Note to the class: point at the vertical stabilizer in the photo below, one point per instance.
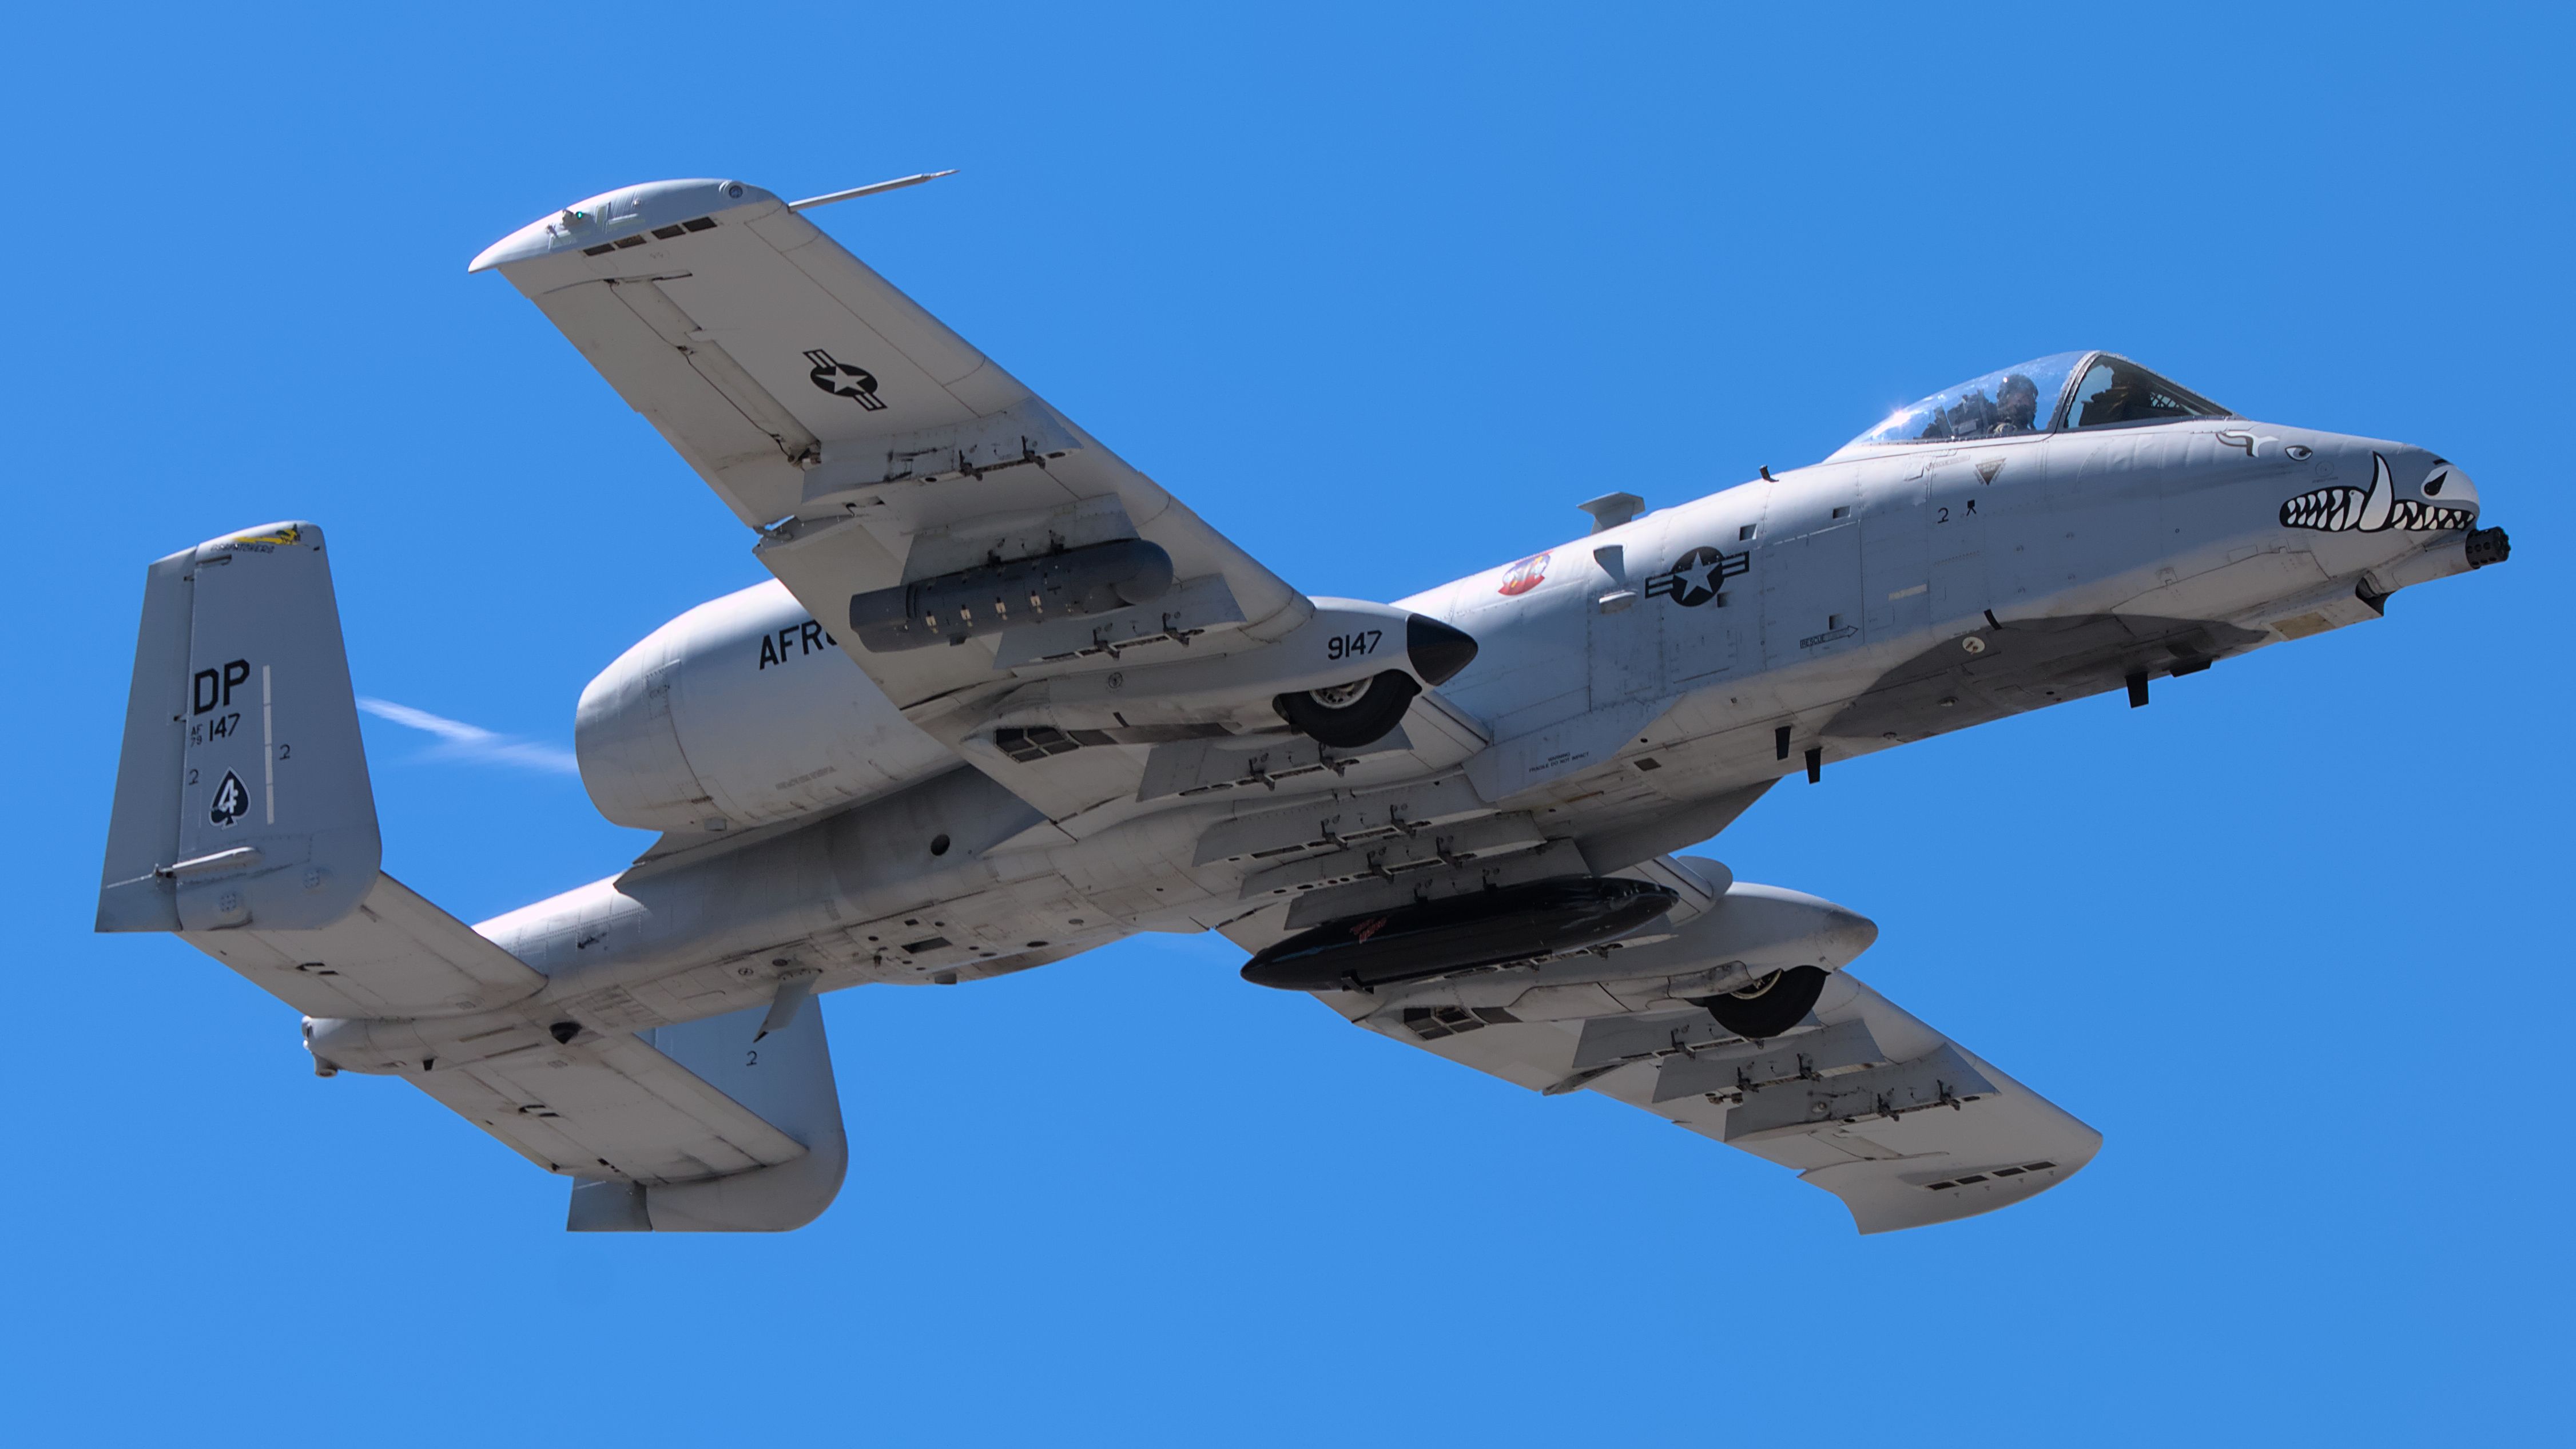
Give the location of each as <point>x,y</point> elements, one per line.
<point>241,793</point>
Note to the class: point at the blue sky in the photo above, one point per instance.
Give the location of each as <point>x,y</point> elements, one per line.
<point>1383,293</point>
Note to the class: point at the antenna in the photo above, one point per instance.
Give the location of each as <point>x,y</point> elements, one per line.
<point>855,192</point>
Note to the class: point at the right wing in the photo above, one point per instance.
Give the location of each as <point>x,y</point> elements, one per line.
<point>797,381</point>
<point>873,448</point>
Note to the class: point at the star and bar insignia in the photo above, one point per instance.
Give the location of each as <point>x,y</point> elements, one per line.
<point>1696,576</point>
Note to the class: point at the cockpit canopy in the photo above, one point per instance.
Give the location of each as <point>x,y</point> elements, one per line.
<point>2066,390</point>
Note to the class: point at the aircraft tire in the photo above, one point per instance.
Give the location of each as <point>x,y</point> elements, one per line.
<point>1349,723</point>
<point>1769,1006</point>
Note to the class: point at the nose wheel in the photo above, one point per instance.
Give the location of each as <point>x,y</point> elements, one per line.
<point>1769,1006</point>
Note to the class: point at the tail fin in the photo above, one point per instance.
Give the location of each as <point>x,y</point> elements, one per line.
<point>242,806</point>
<point>241,794</point>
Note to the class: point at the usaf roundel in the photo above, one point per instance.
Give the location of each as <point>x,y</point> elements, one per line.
<point>1696,576</point>
<point>840,379</point>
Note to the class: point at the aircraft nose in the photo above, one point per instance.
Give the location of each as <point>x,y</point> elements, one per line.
<point>2447,486</point>
<point>2400,514</point>
<point>2450,486</point>
<point>2408,492</point>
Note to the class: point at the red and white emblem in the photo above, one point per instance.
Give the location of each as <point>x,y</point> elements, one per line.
<point>1524,576</point>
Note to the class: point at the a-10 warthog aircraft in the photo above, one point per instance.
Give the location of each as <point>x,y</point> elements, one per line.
<point>1008,700</point>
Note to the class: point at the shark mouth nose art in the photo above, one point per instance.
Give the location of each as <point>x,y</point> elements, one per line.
<point>2349,510</point>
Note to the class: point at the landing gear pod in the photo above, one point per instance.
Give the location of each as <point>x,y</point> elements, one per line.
<point>1770,1005</point>
<point>1484,929</point>
<point>1349,716</point>
<point>952,608</point>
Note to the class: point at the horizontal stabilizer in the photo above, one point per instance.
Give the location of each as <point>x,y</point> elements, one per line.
<point>395,956</point>
<point>702,1127</point>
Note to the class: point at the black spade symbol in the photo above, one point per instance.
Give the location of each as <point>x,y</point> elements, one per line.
<point>232,801</point>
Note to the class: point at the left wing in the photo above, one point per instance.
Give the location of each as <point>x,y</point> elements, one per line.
<point>1859,1096</point>
<point>875,449</point>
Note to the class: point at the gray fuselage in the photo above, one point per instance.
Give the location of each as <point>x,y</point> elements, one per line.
<point>1625,680</point>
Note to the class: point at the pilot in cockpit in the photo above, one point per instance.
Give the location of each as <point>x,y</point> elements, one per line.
<point>2017,401</point>
<point>2021,401</point>
<point>2014,409</point>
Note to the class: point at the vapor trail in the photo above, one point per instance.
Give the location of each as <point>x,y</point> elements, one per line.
<point>473,743</point>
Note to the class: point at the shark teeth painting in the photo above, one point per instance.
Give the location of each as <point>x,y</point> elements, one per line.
<point>2342,510</point>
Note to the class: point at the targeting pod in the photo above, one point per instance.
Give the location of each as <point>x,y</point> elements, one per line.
<point>1485,928</point>
<point>953,608</point>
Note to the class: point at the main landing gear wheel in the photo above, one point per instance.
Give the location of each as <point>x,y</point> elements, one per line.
<point>1347,716</point>
<point>1769,1006</point>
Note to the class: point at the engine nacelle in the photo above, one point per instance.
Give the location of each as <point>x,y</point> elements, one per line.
<point>740,712</point>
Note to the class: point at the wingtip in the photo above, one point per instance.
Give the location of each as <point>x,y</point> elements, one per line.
<point>621,213</point>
